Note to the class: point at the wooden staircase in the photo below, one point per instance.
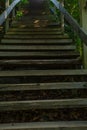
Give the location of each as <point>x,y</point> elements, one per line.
<point>38,48</point>
<point>42,85</point>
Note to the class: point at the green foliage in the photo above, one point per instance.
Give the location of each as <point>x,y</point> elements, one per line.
<point>19,14</point>
<point>73,8</point>
<point>24,1</point>
<point>78,44</point>
<point>2,6</point>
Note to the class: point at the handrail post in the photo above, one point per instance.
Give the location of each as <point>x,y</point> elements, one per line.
<point>13,13</point>
<point>7,21</point>
<point>84,26</point>
<point>55,13</point>
<point>62,17</point>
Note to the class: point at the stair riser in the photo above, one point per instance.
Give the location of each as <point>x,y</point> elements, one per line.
<point>41,79</point>
<point>21,66</point>
<point>22,57</point>
<point>44,67</point>
<point>44,115</point>
<point>42,94</point>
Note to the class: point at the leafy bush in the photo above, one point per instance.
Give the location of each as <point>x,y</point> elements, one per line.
<point>24,1</point>
<point>73,8</point>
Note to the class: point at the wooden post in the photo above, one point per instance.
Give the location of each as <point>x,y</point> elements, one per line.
<point>83,9</point>
<point>7,21</point>
<point>55,11</point>
<point>62,18</point>
<point>13,13</point>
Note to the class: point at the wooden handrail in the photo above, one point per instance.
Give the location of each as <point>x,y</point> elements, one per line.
<point>6,13</point>
<point>82,34</point>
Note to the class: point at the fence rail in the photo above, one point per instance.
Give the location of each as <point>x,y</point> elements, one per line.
<point>6,13</point>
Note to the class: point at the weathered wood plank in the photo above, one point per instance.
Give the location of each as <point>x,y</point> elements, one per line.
<point>36,36</point>
<point>33,29</point>
<point>44,73</point>
<point>63,125</point>
<point>43,86</point>
<point>37,47</point>
<point>33,41</point>
<point>40,62</point>
<point>34,33</point>
<point>38,54</point>
<point>42,104</point>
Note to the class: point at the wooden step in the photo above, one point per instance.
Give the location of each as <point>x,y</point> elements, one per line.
<point>36,36</point>
<point>36,47</point>
<point>29,29</point>
<point>38,41</point>
<point>38,32</point>
<point>42,104</point>
<point>40,62</point>
<point>42,76</point>
<point>39,55</point>
<point>58,125</point>
<point>40,73</point>
<point>30,23</point>
<point>43,86</point>
<point>11,64</point>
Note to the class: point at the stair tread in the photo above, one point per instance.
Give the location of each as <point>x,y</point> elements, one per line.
<point>43,73</point>
<point>50,54</point>
<point>38,125</point>
<point>38,32</point>
<point>33,29</point>
<point>66,125</point>
<point>36,36</point>
<point>53,41</point>
<point>43,104</point>
<point>42,61</point>
<point>43,86</point>
<point>37,47</point>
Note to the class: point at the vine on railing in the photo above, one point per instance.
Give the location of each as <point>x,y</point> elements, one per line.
<point>76,27</point>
